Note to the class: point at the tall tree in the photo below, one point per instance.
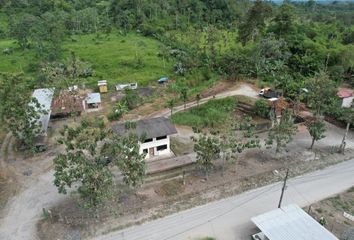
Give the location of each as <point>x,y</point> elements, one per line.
<point>91,150</point>
<point>131,163</point>
<point>284,20</point>
<point>321,91</point>
<point>282,132</point>
<point>19,112</point>
<point>255,21</point>
<point>316,129</point>
<point>208,150</point>
<point>83,164</point>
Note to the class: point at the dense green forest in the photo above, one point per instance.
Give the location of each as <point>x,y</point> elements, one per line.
<point>143,39</point>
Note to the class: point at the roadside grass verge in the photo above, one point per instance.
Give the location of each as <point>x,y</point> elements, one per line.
<point>215,113</point>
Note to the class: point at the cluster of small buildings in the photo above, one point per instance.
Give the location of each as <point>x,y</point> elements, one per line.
<point>155,132</point>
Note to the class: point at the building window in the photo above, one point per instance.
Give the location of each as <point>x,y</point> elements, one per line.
<point>145,151</point>
<point>162,137</point>
<point>162,147</point>
<point>148,140</point>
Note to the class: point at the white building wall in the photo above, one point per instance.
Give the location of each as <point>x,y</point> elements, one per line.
<point>347,102</point>
<point>154,144</point>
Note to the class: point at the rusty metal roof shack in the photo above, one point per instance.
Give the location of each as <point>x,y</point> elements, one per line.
<point>291,223</point>
<point>44,97</point>
<point>149,128</point>
<point>66,103</point>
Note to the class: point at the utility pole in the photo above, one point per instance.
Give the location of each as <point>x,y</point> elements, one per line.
<point>283,189</point>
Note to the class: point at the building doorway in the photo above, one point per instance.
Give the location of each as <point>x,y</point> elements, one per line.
<point>152,152</point>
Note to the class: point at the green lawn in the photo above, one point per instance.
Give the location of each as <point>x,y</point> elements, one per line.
<point>112,57</point>
<point>215,113</point>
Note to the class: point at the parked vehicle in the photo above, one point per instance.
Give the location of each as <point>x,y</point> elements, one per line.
<point>121,87</point>
<point>259,236</point>
<point>268,93</point>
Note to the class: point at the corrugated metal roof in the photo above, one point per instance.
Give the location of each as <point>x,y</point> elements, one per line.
<point>291,223</point>
<point>153,127</point>
<point>345,93</point>
<point>44,97</point>
<point>93,98</point>
<point>102,83</point>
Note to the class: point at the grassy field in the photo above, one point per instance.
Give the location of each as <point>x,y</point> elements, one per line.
<point>214,113</point>
<point>116,58</point>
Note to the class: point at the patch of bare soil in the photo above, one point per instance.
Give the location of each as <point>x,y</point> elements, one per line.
<point>220,86</point>
<point>167,194</point>
<point>8,186</point>
<point>332,210</point>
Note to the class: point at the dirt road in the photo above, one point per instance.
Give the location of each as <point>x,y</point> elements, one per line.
<point>243,89</point>
<point>19,218</point>
<point>24,210</point>
<point>229,219</point>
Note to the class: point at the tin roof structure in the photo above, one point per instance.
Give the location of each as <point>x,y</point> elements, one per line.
<point>291,223</point>
<point>345,93</point>
<point>93,98</point>
<point>44,97</point>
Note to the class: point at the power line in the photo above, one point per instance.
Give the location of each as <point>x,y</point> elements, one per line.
<point>225,213</point>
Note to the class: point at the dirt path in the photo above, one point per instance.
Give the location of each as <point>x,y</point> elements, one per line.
<point>243,89</point>
<point>37,191</point>
<point>24,210</point>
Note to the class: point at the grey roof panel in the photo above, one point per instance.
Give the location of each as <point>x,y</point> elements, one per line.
<point>93,98</point>
<point>44,97</point>
<point>291,223</point>
<point>153,127</point>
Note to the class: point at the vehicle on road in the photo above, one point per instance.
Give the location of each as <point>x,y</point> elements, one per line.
<point>259,236</point>
<point>268,93</point>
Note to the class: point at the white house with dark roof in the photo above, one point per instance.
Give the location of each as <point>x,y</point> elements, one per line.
<point>156,132</point>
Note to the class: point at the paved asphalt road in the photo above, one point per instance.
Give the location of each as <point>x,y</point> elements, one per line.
<point>229,219</point>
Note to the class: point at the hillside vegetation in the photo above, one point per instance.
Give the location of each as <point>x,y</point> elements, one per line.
<point>115,57</point>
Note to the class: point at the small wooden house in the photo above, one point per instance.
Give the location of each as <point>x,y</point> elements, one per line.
<point>102,86</point>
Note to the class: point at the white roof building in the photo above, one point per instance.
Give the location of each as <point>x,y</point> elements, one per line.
<point>44,97</point>
<point>93,98</point>
<point>291,223</point>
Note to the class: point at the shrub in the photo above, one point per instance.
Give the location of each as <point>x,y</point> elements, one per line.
<point>261,108</point>
<point>131,98</point>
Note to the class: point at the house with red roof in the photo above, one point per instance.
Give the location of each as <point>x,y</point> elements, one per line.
<point>347,96</point>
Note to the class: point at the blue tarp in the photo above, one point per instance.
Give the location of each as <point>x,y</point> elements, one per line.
<point>163,80</point>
